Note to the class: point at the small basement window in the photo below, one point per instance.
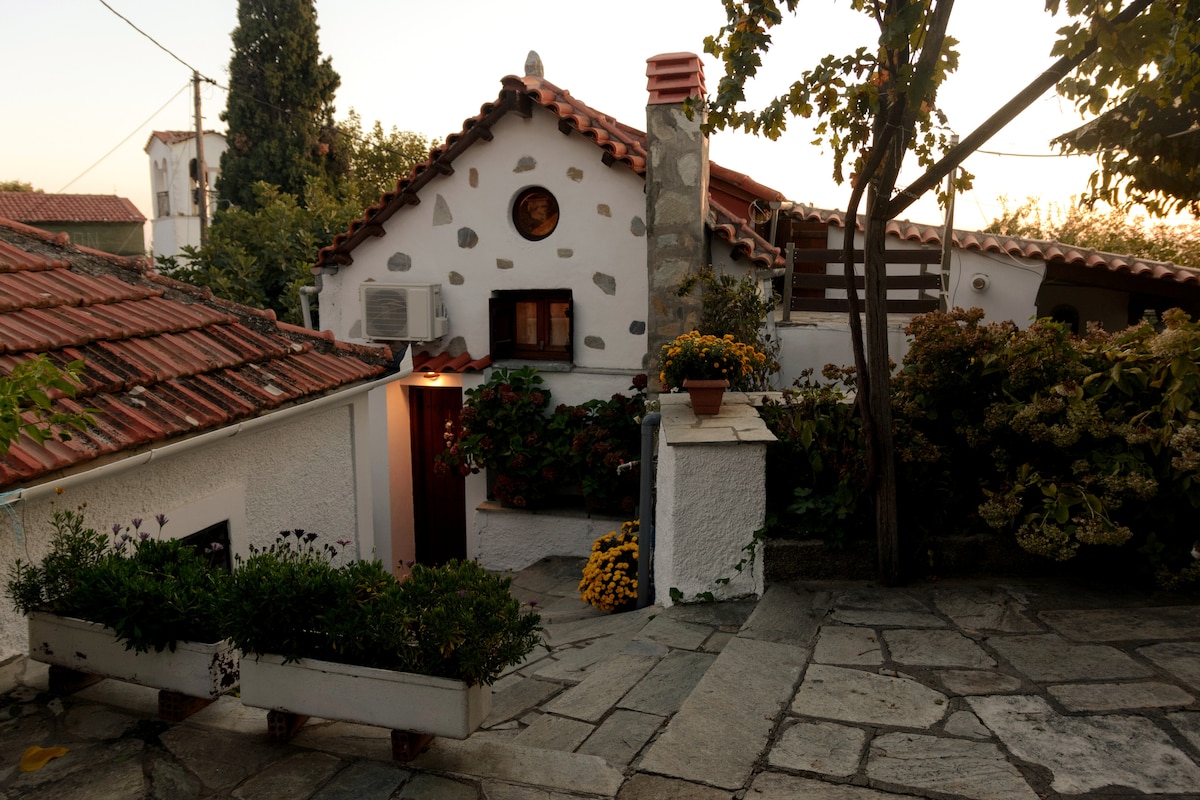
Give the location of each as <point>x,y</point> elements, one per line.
<point>534,325</point>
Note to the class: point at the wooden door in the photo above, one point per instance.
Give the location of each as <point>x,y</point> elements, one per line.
<point>439,512</point>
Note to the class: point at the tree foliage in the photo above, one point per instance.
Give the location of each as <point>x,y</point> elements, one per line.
<point>1110,231</point>
<point>377,159</point>
<point>1144,83</point>
<point>874,107</point>
<point>280,108</point>
<point>261,258</point>
<point>27,405</point>
<point>18,186</point>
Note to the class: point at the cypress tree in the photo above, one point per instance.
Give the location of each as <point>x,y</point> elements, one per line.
<point>280,109</point>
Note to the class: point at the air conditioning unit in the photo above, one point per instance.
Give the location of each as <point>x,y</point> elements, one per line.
<point>403,312</point>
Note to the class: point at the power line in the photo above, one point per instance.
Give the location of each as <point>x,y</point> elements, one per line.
<point>156,42</point>
<point>127,138</point>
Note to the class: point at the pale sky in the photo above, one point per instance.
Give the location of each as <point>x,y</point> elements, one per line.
<point>84,90</point>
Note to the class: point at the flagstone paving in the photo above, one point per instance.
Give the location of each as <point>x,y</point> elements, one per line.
<point>1002,690</point>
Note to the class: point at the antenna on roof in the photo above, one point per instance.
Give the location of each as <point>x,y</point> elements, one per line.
<point>533,65</point>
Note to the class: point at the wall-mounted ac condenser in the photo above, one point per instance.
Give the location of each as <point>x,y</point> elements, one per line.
<point>410,312</point>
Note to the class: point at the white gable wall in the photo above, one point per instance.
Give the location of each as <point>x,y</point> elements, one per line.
<point>461,235</point>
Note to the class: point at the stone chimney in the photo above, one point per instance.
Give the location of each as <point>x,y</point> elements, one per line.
<point>676,198</point>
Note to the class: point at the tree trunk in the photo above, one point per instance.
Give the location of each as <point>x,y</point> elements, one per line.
<point>879,401</point>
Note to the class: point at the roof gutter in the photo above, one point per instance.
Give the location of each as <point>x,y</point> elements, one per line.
<point>266,421</point>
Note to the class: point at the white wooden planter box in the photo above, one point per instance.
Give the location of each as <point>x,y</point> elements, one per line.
<point>402,701</point>
<point>196,669</point>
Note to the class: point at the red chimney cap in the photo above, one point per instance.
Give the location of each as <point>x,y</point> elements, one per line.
<point>674,77</point>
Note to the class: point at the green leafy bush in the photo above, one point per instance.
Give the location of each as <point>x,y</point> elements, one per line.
<point>302,601</point>
<point>152,592</point>
<point>1078,448</point>
<point>532,453</point>
<point>816,471</point>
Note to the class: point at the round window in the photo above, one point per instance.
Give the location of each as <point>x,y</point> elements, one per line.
<point>535,213</point>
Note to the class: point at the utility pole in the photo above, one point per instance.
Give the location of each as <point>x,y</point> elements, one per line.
<point>201,171</point>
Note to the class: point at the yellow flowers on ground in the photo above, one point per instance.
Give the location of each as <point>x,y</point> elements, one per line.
<point>610,575</point>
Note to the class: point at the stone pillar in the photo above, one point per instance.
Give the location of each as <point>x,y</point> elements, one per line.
<point>711,499</point>
<point>676,198</point>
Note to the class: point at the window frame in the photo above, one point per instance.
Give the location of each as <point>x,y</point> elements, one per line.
<point>502,320</point>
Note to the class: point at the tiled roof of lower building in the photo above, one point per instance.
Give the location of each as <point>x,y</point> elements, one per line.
<point>37,207</point>
<point>162,359</point>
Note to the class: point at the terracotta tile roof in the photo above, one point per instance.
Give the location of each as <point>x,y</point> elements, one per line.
<point>730,192</point>
<point>38,207</point>
<point>1017,247</point>
<point>445,362</point>
<point>163,360</point>
<point>173,137</point>
<point>620,143</point>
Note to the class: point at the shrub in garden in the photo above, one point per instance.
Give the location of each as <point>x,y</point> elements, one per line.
<point>152,592</point>
<point>1075,447</point>
<point>1070,445</point>
<point>816,471</point>
<point>506,428</point>
<point>302,601</point>
<point>610,575</point>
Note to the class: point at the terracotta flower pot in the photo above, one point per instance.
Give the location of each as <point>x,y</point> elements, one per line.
<point>706,395</point>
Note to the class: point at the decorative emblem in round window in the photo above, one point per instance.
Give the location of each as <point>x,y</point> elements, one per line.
<point>535,213</point>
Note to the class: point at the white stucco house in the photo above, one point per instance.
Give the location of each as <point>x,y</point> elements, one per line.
<point>547,233</point>
<point>230,424</point>
<point>174,183</point>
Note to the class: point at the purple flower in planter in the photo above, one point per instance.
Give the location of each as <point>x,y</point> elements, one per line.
<point>215,547</point>
<point>136,522</point>
<point>116,528</point>
<point>343,542</point>
<point>143,535</point>
<point>161,519</point>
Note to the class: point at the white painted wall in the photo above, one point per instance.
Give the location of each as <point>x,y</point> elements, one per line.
<point>711,500</point>
<point>169,173</point>
<point>600,233</point>
<point>306,472</point>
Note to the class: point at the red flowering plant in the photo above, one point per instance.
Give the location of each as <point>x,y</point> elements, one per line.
<point>503,429</point>
<point>533,456</point>
<point>606,446</point>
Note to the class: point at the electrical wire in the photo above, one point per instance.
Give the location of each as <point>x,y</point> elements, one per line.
<point>155,41</point>
<point>132,133</point>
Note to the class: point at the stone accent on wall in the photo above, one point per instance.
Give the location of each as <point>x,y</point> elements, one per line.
<point>525,164</point>
<point>467,238</point>
<point>607,283</point>
<point>637,327</point>
<point>603,210</point>
<point>356,329</point>
<point>637,226</point>
<point>504,263</point>
<point>473,178</point>
<point>399,262</point>
<point>575,174</point>
<point>441,211</point>
<point>565,252</point>
<point>456,278</point>
<point>593,342</point>
<point>456,346</point>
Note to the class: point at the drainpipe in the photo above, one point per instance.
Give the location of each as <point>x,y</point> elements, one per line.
<point>305,291</point>
<point>650,424</point>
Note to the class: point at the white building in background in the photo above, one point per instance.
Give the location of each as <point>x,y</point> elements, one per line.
<point>173,181</point>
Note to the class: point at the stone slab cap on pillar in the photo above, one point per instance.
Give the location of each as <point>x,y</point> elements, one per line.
<point>674,77</point>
